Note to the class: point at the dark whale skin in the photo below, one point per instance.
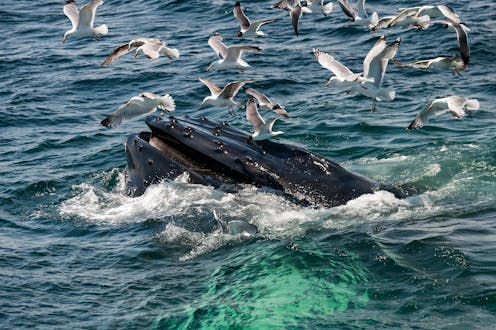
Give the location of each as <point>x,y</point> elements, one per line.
<point>218,155</point>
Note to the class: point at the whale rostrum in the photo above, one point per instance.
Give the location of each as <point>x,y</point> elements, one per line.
<point>219,155</point>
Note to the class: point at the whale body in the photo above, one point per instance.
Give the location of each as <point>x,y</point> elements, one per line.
<point>219,155</point>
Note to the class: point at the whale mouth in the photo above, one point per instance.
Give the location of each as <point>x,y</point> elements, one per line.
<point>221,156</point>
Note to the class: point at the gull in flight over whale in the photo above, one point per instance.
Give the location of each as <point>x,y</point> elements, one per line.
<point>150,47</point>
<point>229,57</point>
<point>343,76</point>
<point>82,20</point>
<point>141,104</point>
<point>223,97</point>
<point>455,63</point>
<point>263,130</point>
<point>359,15</point>
<point>374,67</point>
<point>319,5</point>
<point>264,101</point>
<point>247,28</point>
<point>295,9</point>
<point>458,106</point>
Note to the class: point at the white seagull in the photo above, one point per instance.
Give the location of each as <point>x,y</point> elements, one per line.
<point>247,28</point>
<point>229,57</point>
<point>458,106</point>
<point>264,101</point>
<point>223,98</point>
<point>82,20</point>
<point>343,77</point>
<point>374,66</point>
<point>263,130</point>
<point>359,15</point>
<point>296,10</point>
<point>454,63</point>
<point>141,104</point>
<point>319,5</point>
<point>150,47</point>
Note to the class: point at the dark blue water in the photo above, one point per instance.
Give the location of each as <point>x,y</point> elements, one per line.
<point>76,252</point>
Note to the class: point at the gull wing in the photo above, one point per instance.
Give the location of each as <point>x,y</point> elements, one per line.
<point>258,24</point>
<point>422,64</point>
<point>214,89</point>
<point>361,9</point>
<point>118,52</point>
<point>383,60</point>
<point>328,62</point>
<point>379,46</point>
<point>133,108</point>
<point>243,20</point>
<point>87,12</point>
<point>403,14</point>
<point>283,4</point>
<point>231,89</point>
<point>345,6</point>
<point>217,45</point>
<point>435,107</point>
<point>235,52</point>
<point>462,37</point>
<point>261,98</point>
<point>449,14</point>
<point>295,15</point>
<point>71,11</point>
<point>252,114</point>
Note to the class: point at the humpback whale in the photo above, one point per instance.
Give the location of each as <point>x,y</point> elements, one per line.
<point>221,156</point>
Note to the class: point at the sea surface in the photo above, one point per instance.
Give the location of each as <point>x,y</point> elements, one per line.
<point>77,252</point>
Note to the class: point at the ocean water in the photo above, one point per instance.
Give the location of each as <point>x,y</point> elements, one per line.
<point>76,252</point>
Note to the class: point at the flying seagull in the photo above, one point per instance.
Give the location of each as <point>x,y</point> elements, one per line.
<point>247,28</point>
<point>343,77</point>
<point>374,67</point>
<point>223,98</point>
<point>359,15</point>
<point>82,20</point>
<point>229,57</point>
<point>319,5</point>
<point>264,101</point>
<point>150,47</point>
<point>263,130</point>
<point>458,106</point>
<point>454,63</point>
<point>141,104</point>
<point>295,9</point>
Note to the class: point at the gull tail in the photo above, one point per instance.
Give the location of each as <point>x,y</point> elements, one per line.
<point>386,94</point>
<point>167,102</point>
<point>423,22</point>
<point>327,9</point>
<point>172,52</point>
<point>102,29</point>
<point>472,104</point>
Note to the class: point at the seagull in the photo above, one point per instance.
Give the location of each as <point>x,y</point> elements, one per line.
<point>319,5</point>
<point>462,37</point>
<point>151,47</point>
<point>408,18</point>
<point>248,29</point>
<point>223,98</point>
<point>263,130</point>
<point>458,106</point>
<point>229,57</point>
<point>374,66</point>
<point>264,101</point>
<point>296,10</point>
<point>454,63</point>
<point>343,77</point>
<point>82,20</point>
<point>359,15</point>
<point>141,104</point>
<point>433,11</point>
